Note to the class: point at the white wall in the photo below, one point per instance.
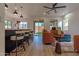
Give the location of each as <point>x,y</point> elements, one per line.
<point>47,23</point>
<point>73,22</point>
<point>2,35</point>
<point>30,23</point>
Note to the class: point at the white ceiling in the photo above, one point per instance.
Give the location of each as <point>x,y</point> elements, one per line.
<point>37,10</point>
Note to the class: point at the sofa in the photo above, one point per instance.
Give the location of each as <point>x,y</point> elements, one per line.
<point>65,38</point>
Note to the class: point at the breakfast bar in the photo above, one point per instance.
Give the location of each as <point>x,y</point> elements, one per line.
<point>16,38</point>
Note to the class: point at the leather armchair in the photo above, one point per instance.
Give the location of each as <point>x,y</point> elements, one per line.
<point>47,37</point>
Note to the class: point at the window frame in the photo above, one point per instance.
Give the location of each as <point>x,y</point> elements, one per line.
<point>23,25</point>
<point>8,24</point>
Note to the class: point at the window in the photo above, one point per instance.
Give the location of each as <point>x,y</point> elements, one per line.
<point>60,24</point>
<point>7,24</point>
<point>66,21</point>
<point>65,24</point>
<point>23,25</point>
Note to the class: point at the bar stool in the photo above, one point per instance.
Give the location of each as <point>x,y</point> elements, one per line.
<point>18,38</point>
<point>26,37</point>
<point>31,35</point>
<point>21,40</point>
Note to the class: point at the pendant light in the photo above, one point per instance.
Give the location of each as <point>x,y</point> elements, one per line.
<point>15,12</point>
<point>21,16</point>
<point>6,6</point>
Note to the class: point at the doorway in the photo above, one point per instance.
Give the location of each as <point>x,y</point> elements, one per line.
<point>38,27</point>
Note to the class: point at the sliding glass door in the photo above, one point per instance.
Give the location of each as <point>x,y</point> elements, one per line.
<point>38,27</point>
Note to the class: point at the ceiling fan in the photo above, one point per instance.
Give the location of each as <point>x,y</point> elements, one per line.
<point>54,7</point>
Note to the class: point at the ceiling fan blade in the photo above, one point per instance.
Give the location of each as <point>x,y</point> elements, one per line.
<point>49,11</point>
<point>55,4</point>
<point>61,7</point>
<point>47,7</point>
